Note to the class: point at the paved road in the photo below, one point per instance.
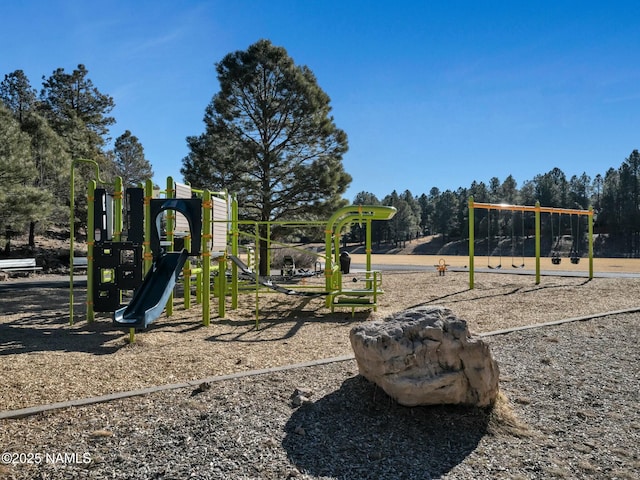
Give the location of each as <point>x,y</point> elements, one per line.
<point>504,271</point>
<point>80,281</point>
<point>61,281</point>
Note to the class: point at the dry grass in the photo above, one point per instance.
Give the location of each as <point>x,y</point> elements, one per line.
<point>504,421</point>
<point>44,360</point>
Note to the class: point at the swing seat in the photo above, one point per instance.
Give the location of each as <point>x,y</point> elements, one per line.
<point>575,260</point>
<point>517,266</point>
<point>556,260</point>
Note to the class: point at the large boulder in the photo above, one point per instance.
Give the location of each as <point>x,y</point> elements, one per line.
<point>426,356</point>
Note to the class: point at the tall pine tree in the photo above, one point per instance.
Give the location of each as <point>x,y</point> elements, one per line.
<point>271,139</point>
<point>129,160</point>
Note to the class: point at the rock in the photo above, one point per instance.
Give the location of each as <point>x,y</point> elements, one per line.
<point>301,396</point>
<point>203,387</point>
<point>426,356</point>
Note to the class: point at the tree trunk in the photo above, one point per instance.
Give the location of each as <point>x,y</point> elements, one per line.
<point>263,249</point>
<point>32,234</point>
<point>7,241</point>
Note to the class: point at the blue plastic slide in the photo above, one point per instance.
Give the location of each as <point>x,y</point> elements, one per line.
<point>149,300</point>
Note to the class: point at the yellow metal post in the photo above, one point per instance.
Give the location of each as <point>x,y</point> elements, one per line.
<point>235,232</point>
<point>186,275</point>
<point>171,216</point>
<point>222,285</point>
<point>91,240</point>
<point>472,242</point>
<point>537,240</point>
<point>590,243</point>
<point>147,255</point>
<point>205,279</point>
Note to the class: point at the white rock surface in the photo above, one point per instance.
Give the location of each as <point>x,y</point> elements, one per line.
<point>426,356</point>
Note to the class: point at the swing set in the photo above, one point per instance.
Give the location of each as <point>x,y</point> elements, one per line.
<point>537,209</point>
<point>574,252</point>
<point>514,241</point>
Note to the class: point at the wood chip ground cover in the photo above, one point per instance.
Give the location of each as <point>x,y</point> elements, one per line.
<point>247,428</point>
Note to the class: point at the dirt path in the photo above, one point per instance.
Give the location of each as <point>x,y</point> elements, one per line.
<point>613,265</point>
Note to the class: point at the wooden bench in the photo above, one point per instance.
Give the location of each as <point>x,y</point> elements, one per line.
<point>19,265</point>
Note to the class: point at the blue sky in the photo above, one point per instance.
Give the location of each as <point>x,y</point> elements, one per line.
<point>430,93</point>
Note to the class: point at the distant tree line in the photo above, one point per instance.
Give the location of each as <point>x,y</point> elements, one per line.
<point>41,133</point>
<point>614,196</point>
<point>269,136</point>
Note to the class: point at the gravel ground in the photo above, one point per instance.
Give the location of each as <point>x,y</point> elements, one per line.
<point>569,409</point>
<point>44,360</point>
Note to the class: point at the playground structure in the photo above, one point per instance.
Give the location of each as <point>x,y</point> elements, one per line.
<point>334,290</point>
<point>136,259</point>
<point>537,209</point>
<point>201,245</point>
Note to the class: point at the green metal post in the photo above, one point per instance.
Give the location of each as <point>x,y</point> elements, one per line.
<point>472,243</point>
<point>207,206</point>
<point>377,212</point>
<point>235,230</point>
<point>257,277</point>
<point>117,210</point>
<point>117,216</point>
<point>72,237</point>
<point>186,280</point>
<point>537,240</point>
<point>147,255</point>
<point>268,240</point>
<point>170,217</point>
<point>590,216</point>
<point>222,286</point>
<point>91,240</point>
<point>367,247</point>
<point>72,233</point>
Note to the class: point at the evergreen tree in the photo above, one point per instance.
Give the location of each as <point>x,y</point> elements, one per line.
<point>47,153</point>
<point>20,201</point>
<point>551,188</point>
<point>77,110</point>
<point>270,135</point>
<point>528,193</point>
<point>404,223</point>
<point>52,163</point>
<point>416,209</point>
<point>509,189</point>
<point>480,192</point>
<point>629,198</point>
<point>611,216</point>
<point>461,226</point>
<point>358,232</point>
<point>579,191</point>
<point>445,218</point>
<point>495,190</point>
<point>17,94</point>
<point>426,210</point>
<point>596,189</point>
<point>129,160</point>
<point>79,113</point>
